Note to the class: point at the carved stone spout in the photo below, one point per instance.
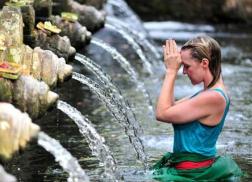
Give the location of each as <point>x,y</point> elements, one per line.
<point>61,46</point>
<point>46,66</point>
<point>16,129</point>
<point>28,94</point>
<point>41,64</point>
<point>78,34</point>
<point>89,16</point>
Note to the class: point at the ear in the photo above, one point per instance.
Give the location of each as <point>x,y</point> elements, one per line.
<point>205,63</point>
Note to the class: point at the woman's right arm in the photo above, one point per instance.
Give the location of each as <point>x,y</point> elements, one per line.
<point>181,100</point>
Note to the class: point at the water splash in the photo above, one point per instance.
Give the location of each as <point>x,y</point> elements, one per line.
<point>146,64</point>
<point>95,141</point>
<point>139,37</point>
<point>138,175</point>
<point>116,110</point>
<point>65,159</point>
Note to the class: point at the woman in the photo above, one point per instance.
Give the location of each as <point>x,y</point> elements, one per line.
<point>197,120</point>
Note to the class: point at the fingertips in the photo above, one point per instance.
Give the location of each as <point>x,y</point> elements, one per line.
<point>164,49</point>
<point>174,46</point>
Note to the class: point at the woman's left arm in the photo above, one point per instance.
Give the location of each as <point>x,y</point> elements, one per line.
<point>172,61</point>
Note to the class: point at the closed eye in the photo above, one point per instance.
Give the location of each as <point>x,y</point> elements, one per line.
<point>186,66</point>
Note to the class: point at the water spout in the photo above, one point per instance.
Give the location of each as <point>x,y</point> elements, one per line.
<point>117,111</point>
<point>118,57</point>
<point>120,9</point>
<point>139,37</point>
<point>5,177</point>
<point>128,68</point>
<point>113,91</point>
<point>65,159</point>
<point>146,64</point>
<point>95,141</point>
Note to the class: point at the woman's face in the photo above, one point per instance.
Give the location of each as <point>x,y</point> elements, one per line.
<point>191,67</point>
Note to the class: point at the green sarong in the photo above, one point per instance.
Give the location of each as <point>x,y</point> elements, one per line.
<point>223,169</point>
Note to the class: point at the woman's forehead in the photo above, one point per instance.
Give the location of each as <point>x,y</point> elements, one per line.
<point>186,55</point>
<point>185,52</point>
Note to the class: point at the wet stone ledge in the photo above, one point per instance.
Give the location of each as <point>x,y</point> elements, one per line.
<point>41,64</point>
<point>27,92</point>
<point>41,61</point>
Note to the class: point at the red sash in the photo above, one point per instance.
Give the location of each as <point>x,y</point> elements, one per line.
<point>193,165</point>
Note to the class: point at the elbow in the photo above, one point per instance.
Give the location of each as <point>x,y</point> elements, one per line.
<point>160,117</point>
<point>163,117</point>
<point>158,114</point>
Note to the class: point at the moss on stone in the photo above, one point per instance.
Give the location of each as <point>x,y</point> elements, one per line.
<point>5,90</point>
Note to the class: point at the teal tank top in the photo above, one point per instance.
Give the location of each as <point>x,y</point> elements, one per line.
<point>195,137</point>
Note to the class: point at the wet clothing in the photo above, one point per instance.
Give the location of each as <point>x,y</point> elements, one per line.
<point>194,157</point>
<point>222,169</point>
<point>195,137</point>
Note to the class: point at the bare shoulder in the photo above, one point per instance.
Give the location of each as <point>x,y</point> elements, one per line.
<point>211,98</point>
<point>215,104</point>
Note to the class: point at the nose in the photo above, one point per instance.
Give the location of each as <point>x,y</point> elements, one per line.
<point>184,70</point>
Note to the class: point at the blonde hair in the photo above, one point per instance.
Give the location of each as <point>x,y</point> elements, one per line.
<point>206,47</point>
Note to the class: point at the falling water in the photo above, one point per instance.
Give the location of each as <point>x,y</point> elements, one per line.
<point>113,91</point>
<point>97,70</point>
<point>117,111</point>
<point>146,64</point>
<point>128,68</point>
<point>95,141</point>
<point>139,37</point>
<point>102,96</point>
<point>65,159</point>
<point>118,57</point>
<point>119,8</point>
<point>6,177</point>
